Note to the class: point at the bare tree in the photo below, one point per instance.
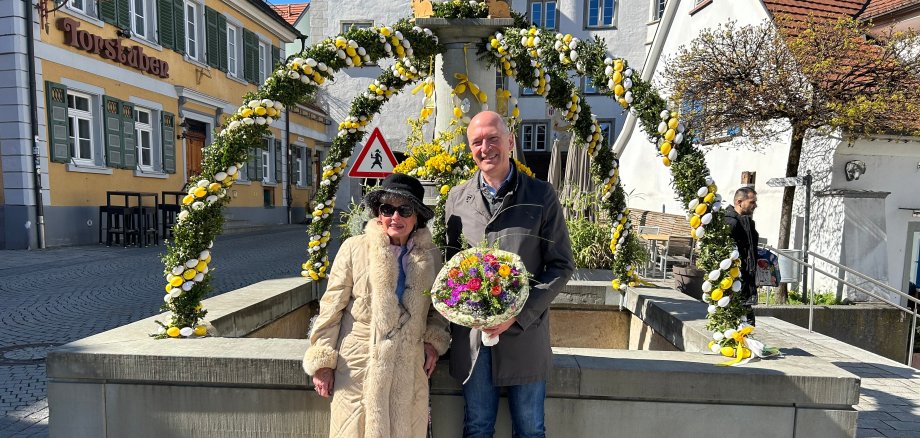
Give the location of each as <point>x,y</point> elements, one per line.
<point>816,75</point>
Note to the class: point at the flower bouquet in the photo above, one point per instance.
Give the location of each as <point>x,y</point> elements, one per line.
<point>481,287</point>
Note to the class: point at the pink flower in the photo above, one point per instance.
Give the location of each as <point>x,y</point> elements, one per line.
<point>474,284</point>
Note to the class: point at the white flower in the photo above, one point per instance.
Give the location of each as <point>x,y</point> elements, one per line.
<point>183,215</point>
<point>197,205</point>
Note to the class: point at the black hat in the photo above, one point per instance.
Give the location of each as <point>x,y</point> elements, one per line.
<point>406,187</point>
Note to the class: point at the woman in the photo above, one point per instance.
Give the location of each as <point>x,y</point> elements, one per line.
<point>377,339</point>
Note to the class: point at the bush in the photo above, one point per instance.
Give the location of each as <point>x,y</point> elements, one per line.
<point>590,244</point>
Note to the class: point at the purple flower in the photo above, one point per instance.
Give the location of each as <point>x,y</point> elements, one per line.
<point>473,272</point>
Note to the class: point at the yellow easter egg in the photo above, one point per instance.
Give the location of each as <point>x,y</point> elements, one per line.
<point>666,161</point>
<point>716,295</point>
<point>665,148</point>
<point>695,221</point>
<point>726,283</point>
<point>700,209</point>
<point>201,330</point>
<point>173,332</point>
<point>728,351</point>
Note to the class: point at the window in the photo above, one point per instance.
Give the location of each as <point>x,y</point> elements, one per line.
<point>191,30</point>
<point>263,59</point>
<point>533,136</point>
<point>606,131</point>
<point>232,55</point>
<point>298,165</point>
<point>84,6</point>
<point>588,87</point>
<point>347,25</point>
<point>601,13</point>
<point>543,13</point>
<point>266,164</point>
<point>658,8</point>
<point>139,18</point>
<point>143,130</point>
<point>80,125</point>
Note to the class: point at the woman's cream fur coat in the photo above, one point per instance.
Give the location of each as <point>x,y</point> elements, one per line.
<point>374,343</point>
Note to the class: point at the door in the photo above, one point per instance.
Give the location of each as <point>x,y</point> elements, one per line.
<point>194,143</point>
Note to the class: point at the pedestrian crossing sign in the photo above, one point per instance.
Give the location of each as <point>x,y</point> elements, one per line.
<point>375,160</point>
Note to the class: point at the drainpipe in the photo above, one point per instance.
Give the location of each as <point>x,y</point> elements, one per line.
<point>287,154</point>
<point>33,102</point>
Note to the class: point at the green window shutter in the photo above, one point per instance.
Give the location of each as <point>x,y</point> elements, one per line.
<point>251,164</point>
<point>305,156</point>
<point>108,12</point>
<point>276,57</point>
<point>250,57</point>
<point>168,140</point>
<point>179,25</point>
<point>212,38</point>
<point>123,14</point>
<point>58,135</point>
<point>259,163</point>
<point>165,24</point>
<point>128,135</point>
<point>278,167</point>
<point>111,113</point>
<point>222,42</point>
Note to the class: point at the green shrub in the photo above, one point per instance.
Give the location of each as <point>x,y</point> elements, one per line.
<point>590,244</point>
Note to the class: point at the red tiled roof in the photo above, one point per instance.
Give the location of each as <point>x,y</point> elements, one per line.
<point>291,12</point>
<point>881,7</point>
<point>817,8</point>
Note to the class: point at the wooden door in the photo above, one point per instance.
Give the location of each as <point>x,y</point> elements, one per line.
<point>194,143</point>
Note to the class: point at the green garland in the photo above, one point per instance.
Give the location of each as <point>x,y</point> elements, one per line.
<point>536,58</point>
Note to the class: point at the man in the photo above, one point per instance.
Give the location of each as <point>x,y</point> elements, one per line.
<point>523,215</point>
<point>745,236</point>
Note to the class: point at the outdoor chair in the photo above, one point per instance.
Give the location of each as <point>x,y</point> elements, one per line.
<point>650,246</point>
<point>676,250</point>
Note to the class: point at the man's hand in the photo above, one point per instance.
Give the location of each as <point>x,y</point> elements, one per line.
<point>499,329</point>
<point>323,380</point>
<point>431,359</point>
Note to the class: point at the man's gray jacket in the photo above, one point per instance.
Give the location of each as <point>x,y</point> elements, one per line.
<point>528,222</point>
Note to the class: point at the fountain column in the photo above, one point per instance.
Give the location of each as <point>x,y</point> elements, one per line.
<point>462,39</point>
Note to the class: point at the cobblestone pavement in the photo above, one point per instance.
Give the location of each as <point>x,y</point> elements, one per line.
<point>51,297</point>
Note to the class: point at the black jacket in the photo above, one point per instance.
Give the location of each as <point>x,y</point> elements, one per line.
<point>745,236</point>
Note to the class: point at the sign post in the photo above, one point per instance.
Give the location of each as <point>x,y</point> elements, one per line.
<point>375,160</point>
<point>792,182</point>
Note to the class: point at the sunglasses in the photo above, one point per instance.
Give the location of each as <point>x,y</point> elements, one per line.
<point>403,210</point>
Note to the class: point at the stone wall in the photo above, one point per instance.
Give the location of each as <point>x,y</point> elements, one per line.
<point>880,329</point>
<point>124,383</point>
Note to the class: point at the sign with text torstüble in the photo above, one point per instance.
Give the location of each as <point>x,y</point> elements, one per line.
<point>375,160</point>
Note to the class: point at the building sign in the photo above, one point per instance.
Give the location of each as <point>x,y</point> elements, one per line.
<point>133,56</point>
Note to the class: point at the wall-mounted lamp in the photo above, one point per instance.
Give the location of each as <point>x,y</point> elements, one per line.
<point>854,169</point>
<point>183,126</point>
<point>123,33</point>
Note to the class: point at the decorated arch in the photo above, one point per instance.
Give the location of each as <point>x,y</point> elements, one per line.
<point>537,58</point>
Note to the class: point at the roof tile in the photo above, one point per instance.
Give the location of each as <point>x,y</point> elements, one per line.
<point>291,12</point>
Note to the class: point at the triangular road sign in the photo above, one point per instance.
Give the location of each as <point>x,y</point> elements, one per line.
<point>376,160</point>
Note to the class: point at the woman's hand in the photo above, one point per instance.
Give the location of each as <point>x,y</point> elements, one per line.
<point>323,380</point>
<point>431,359</point>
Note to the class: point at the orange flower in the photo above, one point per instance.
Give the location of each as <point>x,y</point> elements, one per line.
<point>496,290</point>
<point>504,270</point>
<point>453,273</point>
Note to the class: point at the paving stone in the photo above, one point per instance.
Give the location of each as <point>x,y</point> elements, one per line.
<point>60,295</point>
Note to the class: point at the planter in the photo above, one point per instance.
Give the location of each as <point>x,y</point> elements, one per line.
<point>689,280</point>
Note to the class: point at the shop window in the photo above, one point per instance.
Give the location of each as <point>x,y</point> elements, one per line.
<point>347,25</point>
<point>143,129</point>
<point>543,13</point>
<point>533,136</point>
<point>601,13</point>
<point>80,127</point>
<point>233,47</point>
<point>268,197</point>
<point>191,30</point>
